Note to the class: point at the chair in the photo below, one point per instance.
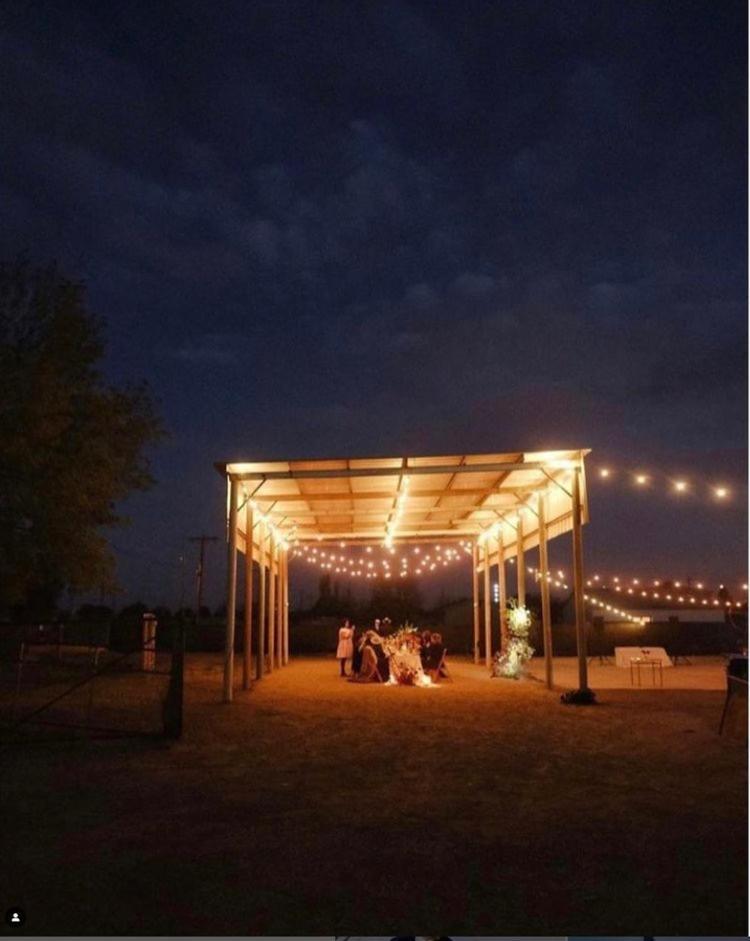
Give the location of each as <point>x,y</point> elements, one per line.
<point>736,684</point>
<point>441,671</point>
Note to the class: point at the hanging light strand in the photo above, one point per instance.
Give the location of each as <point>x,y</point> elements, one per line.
<point>421,561</point>
<point>642,479</point>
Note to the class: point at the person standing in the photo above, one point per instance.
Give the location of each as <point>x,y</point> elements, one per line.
<point>345,649</point>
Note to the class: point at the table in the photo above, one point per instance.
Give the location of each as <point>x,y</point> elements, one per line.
<point>623,655</point>
<point>639,662</point>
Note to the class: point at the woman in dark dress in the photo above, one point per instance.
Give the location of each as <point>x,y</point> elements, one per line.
<point>437,648</point>
<point>383,666</point>
<point>424,650</point>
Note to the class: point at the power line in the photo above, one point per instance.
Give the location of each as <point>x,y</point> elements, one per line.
<point>200,571</point>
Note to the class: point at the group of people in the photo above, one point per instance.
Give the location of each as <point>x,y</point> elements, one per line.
<point>370,661</point>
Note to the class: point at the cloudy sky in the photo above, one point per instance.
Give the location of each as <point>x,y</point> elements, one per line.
<point>368,228</point>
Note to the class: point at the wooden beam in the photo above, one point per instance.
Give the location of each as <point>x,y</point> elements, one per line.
<point>261,656</point>
<point>271,603</point>
<point>373,516</point>
<point>520,565</point>
<point>286,607</point>
<point>247,648</point>
<point>475,597</point>
<point>279,605</point>
<point>501,594</point>
<point>578,584</point>
<point>366,495</point>
<point>231,591</point>
<point>375,541</point>
<point>544,588</point>
<point>487,610</point>
<point>343,473</point>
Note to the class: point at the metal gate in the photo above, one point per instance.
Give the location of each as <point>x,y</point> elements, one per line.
<point>51,689</point>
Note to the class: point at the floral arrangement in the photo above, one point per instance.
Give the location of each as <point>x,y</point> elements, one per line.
<point>404,638</point>
<point>402,649</point>
<point>511,661</point>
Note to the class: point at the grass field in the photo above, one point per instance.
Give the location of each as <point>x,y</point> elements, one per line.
<point>314,806</point>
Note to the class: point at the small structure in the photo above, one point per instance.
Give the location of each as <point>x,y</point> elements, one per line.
<point>148,650</point>
<point>505,504</point>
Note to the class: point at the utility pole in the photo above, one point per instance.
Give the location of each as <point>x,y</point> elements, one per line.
<point>200,571</point>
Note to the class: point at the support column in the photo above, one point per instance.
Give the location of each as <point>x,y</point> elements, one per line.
<point>475,597</point>
<point>286,607</point>
<point>583,680</point>
<point>520,565</point>
<point>487,607</point>
<point>271,602</point>
<point>231,591</point>
<point>544,589</point>
<point>278,622</point>
<point>261,599</point>
<point>502,598</point>
<point>247,648</point>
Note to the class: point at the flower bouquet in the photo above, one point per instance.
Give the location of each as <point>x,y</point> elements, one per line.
<point>510,662</point>
<point>405,664</point>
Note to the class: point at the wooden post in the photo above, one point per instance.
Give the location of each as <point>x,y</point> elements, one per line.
<point>487,608</point>
<point>279,605</point>
<point>475,594</point>
<point>271,602</point>
<point>286,607</point>
<point>261,656</point>
<point>521,565</point>
<point>231,592</point>
<point>247,649</point>
<point>544,589</point>
<point>501,593</point>
<point>578,582</point>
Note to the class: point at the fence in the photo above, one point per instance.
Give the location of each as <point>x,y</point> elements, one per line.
<point>57,682</point>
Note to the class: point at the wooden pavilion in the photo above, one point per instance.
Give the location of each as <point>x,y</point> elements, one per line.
<point>504,504</point>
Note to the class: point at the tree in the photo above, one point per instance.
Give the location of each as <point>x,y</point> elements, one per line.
<point>73,445</point>
<point>398,599</point>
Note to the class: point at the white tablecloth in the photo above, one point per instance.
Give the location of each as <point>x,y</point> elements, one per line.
<point>623,655</point>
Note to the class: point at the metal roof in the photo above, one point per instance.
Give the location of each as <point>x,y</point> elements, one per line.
<point>417,498</point>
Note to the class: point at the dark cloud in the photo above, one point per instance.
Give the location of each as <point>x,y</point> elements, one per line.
<point>421,225</point>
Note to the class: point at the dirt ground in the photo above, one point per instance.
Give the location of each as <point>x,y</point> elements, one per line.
<point>311,805</point>
<point>700,673</point>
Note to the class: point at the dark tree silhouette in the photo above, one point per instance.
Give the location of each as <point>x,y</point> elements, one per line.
<point>72,445</point>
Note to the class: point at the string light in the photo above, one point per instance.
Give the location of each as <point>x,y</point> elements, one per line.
<point>364,567</point>
<point>601,583</point>
<point>597,602</point>
<point>641,479</point>
<point>557,582</point>
<point>396,514</point>
<point>280,536</point>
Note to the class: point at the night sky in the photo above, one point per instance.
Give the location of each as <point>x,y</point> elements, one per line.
<point>331,229</point>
